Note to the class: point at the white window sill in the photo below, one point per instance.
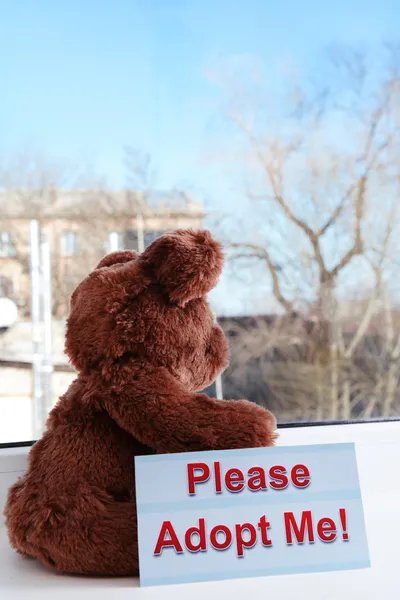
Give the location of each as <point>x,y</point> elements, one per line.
<point>378,455</point>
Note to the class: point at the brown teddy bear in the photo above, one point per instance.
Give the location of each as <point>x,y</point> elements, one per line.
<point>143,340</point>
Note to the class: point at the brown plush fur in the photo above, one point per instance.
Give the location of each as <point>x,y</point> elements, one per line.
<point>143,340</point>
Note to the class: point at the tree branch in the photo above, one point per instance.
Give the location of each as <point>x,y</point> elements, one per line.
<point>263,254</point>
<point>358,245</point>
<point>336,213</point>
<point>278,197</point>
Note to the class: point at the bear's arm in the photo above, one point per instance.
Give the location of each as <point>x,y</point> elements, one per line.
<point>160,413</point>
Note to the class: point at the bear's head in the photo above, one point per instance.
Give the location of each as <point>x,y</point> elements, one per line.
<point>151,308</point>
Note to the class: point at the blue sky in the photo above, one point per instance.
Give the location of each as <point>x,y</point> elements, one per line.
<point>83,78</point>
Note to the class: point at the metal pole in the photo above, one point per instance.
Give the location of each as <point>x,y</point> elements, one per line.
<point>37,392</point>
<point>140,232</point>
<point>218,388</point>
<point>218,382</point>
<point>47,365</point>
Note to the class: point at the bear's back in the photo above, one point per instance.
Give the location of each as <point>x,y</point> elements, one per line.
<point>84,446</point>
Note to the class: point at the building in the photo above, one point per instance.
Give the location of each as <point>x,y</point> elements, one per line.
<point>81,226</point>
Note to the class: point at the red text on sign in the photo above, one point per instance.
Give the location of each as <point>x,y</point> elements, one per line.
<point>220,537</point>
<point>302,529</point>
<point>256,478</point>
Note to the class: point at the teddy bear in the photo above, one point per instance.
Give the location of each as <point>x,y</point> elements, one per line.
<point>144,343</point>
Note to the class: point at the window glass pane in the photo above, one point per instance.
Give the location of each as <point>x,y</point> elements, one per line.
<point>69,243</point>
<point>7,247</point>
<point>150,236</point>
<point>129,239</point>
<point>276,126</point>
<point>6,287</point>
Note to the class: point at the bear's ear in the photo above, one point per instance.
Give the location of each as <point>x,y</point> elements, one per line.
<point>118,257</point>
<point>185,262</point>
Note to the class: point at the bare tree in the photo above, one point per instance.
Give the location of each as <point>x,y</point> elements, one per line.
<point>323,187</point>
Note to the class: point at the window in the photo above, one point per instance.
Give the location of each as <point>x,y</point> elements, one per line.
<point>285,146</point>
<point>6,287</point>
<point>130,240</point>
<point>69,243</point>
<point>7,247</point>
<point>150,236</point>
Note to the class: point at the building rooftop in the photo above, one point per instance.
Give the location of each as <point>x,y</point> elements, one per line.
<point>52,203</point>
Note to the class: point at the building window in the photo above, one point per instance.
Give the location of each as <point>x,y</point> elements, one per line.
<point>69,243</point>
<point>7,247</point>
<point>6,287</point>
<point>150,236</point>
<point>130,240</point>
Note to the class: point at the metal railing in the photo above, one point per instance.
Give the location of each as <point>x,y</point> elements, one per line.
<point>41,314</point>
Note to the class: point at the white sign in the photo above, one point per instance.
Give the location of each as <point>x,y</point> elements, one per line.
<point>246,513</point>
